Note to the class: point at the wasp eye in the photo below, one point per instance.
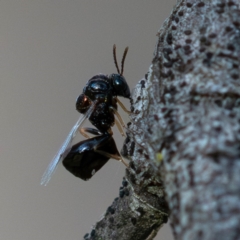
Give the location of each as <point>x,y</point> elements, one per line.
<point>82,103</point>
<point>120,85</point>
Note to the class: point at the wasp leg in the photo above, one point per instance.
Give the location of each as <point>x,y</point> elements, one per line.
<point>120,128</point>
<point>118,116</point>
<point>122,106</point>
<point>86,130</point>
<point>111,145</point>
<point>114,156</point>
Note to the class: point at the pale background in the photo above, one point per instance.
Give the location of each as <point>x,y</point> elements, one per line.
<point>48,50</point>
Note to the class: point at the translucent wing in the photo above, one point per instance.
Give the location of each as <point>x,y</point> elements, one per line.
<point>65,148</point>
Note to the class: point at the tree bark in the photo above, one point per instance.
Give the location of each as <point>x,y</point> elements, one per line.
<point>184,135</point>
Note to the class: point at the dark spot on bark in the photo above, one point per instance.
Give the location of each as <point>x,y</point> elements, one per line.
<point>180,13</point>
<point>167,50</point>
<point>172,89</point>
<point>86,236</point>
<point>209,55</point>
<point>132,147</point>
<point>93,232</point>
<point>146,75</point>
<point>161,39</point>
<point>141,211</point>
<point>138,98</point>
<point>129,123</point>
<point>166,56</point>
<point>127,140</point>
<point>137,111</point>
<point>165,219</point>
<point>176,19</point>
<point>218,102</point>
<point>191,180</point>
<point>142,83</point>
<point>146,156</point>
<point>188,41</point>
<point>187,32</point>
<point>189,4</point>
<point>228,29</point>
<point>201,4</point>
<point>163,75</point>
<point>221,5</point>
<point>170,121</point>
<point>224,55</point>
<point>219,10</point>
<point>202,49</point>
<point>169,73</point>
<point>203,39</point>
<point>110,210</point>
<point>131,165</point>
<point>236,24</point>
<point>155,117</point>
<point>134,221</point>
<point>177,46</point>
<point>200,233</point>
<point>232,115</point>
<point>126,192</point>
<point>202,30</point>
<point>212,35</point>
<point>218,128</point>
<point>182,84</point>
<point>111,220</point>
<point>207,43</point>
<point>121,193</point>
<point>230,3</point>
<point>235,76</point>
<point>169,38</point>
<point>174,27</point>
<point>124,183</point>
<point>116,199</point>
<point>214,156</point>
<point>186,47</point>
<point>124,150</point>
<point>132,109</point>
<point>188,52</point>
<point>230,47</point>
<point>206,62</point>
<point>131,100</point>
<point>235,65</point>
<point>150,130</point>
<point>168,64</point>
<point>140,150</point>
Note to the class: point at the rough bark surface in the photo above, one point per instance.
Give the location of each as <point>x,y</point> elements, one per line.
<point>184,135</point>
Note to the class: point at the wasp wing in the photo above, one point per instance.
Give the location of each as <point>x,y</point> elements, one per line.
<point>65,148</point>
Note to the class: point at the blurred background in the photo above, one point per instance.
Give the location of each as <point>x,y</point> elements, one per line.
<point>48,51</point>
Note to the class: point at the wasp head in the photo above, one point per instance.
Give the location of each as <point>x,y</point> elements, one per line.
<point>120,85</point>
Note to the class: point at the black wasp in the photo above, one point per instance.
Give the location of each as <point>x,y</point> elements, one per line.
<point>98,103</point>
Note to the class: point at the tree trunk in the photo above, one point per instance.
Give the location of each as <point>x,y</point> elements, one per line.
<point>184,135</point>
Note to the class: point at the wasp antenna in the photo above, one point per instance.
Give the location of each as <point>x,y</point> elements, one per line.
<point>115,58</point>
<point>123,59</point>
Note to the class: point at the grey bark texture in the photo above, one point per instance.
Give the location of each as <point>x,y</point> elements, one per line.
<point>184,135</point>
